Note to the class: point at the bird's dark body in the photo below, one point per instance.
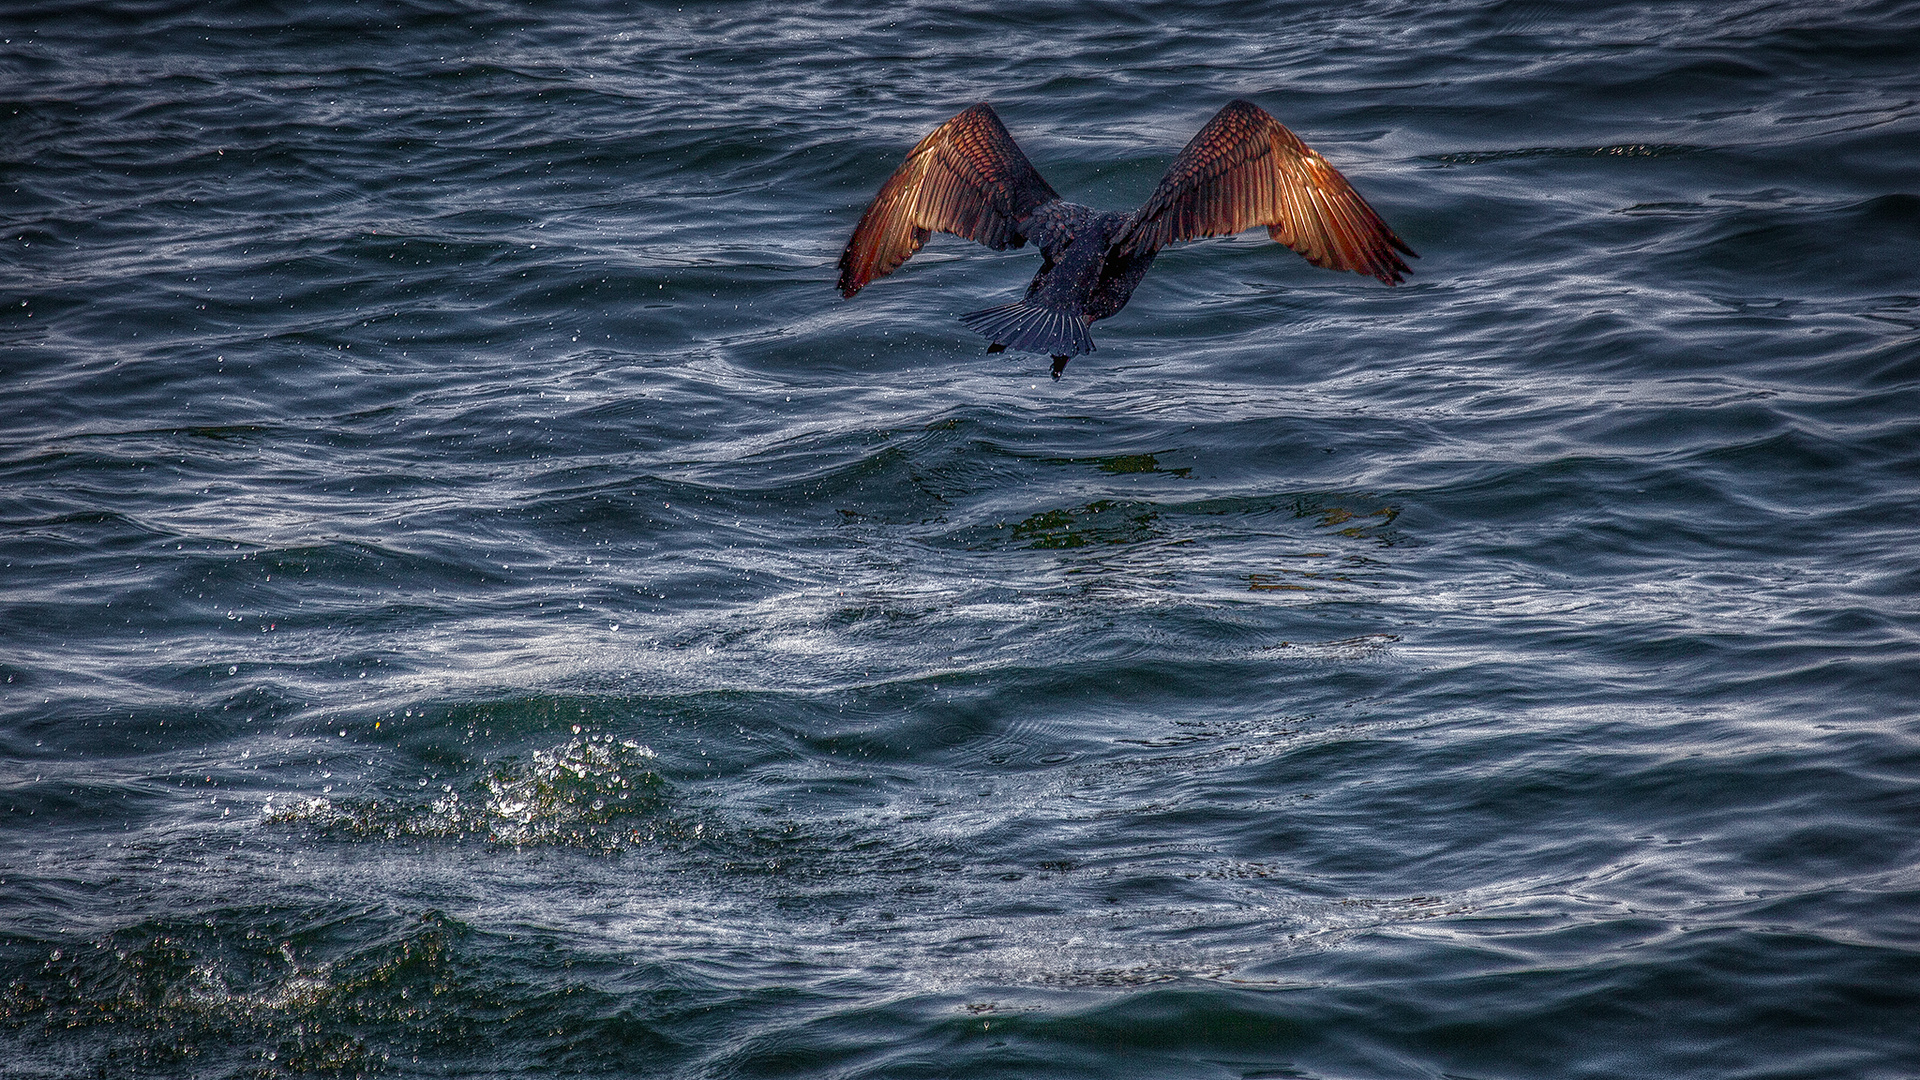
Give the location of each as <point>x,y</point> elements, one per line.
<point>1243,169</point>
<point>1080,272</point>
<point>1081,280</point>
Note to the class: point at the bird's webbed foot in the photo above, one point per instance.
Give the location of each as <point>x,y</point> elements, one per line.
<point>996,347</point>
<point>1060,365</point>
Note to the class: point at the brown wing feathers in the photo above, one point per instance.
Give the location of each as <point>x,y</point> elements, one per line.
<point>966,178</point>
<point>1245,169</point>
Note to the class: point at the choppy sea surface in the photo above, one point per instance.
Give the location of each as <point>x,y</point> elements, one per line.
<point>475,602</point>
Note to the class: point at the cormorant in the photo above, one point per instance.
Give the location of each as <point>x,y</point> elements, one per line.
<point>1243,169</point>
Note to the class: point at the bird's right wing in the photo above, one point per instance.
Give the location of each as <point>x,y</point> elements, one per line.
<point>1245,169</point>
<point>966,178</point>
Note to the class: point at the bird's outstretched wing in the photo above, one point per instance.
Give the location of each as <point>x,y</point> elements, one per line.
<point>1245,169</point>
<point>966,178</point>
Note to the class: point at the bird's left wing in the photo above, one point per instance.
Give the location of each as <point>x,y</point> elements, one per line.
<point>966,178</point>
<point>1245,169</point>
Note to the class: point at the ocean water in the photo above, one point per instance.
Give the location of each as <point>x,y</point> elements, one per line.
<point>475,602</point>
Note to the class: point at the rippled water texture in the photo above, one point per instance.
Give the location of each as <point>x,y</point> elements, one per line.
<point>474,601</point>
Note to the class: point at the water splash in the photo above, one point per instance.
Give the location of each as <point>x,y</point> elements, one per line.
<point>597,792</point>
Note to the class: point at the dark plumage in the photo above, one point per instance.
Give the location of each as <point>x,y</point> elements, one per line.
<point>1243,169</point>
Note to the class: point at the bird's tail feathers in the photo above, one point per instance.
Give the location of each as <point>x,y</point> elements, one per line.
<point>1033,328</point>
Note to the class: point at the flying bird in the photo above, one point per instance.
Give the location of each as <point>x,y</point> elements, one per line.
<point>1243,169</point>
